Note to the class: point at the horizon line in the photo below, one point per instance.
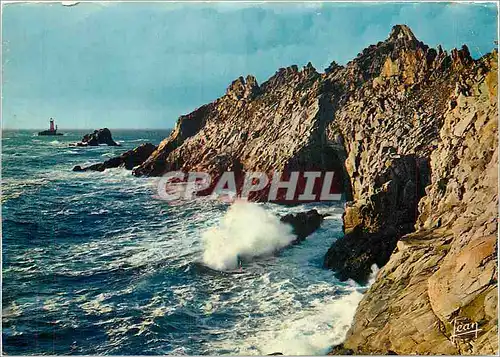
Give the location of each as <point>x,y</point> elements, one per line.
<point>82,129</point>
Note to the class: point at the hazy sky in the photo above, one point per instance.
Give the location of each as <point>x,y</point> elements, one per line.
<point>141,65</point>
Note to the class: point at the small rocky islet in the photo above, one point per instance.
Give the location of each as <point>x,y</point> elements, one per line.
<point>413,132</point>
<point>96,138</point>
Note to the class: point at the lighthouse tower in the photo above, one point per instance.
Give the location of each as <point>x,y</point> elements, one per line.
<point>52,129</point>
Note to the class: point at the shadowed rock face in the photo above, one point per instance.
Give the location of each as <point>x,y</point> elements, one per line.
<point>98,137</point>
<point>373,225</point>
<point>412,132</point>
<point>303,223</point>
<point>389,122</point>
<point>128,160</point>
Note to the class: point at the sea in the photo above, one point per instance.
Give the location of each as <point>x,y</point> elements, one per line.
<point>98,263</point>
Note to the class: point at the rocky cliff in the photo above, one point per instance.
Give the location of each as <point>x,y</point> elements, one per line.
<point>412,131</point>
<point>447,268</point>
<point>279,125</point>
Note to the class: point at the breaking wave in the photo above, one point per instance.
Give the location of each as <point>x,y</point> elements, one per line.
<point>246,231</point>
<point>110,262</point>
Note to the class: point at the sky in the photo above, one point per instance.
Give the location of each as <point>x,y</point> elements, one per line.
<point>142,65</point>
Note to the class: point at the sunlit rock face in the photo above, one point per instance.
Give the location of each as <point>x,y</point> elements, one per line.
<point>412,132</point>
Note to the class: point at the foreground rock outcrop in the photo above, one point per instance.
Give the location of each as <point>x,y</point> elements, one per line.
<point>98,137</point>
<point>411,133</point>
<point>128,160</point>
<point>389,122</point>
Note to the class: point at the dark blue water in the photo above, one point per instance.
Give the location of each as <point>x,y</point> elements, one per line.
<point>94,263</point>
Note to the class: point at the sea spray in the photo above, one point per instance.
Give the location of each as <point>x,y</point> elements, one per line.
<point>246,231</point>
<point>373,275</point>
<point>312,330</point>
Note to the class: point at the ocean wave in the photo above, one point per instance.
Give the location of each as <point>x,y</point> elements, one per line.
<point>309,331</point>
<point>13,188</point>
<point>125,268</point>
<point>245,232</point>
<point>293,322</point>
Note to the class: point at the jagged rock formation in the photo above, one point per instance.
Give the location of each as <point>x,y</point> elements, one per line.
<point>279,125</point>
<point>448,267</point>
<point>389,122</point>
<point>98,137</point>
<point>128,160</point>
<point>412,132</point>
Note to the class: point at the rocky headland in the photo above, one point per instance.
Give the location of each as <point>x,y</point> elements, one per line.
<point>440,262</point>
<point>412,133</point>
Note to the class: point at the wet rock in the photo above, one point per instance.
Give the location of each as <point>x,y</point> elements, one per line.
<point>340,350</point>
<point>303,223</point>
<point>128,160</point>
<point>98,137</point>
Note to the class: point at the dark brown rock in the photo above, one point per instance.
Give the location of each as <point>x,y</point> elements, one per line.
<point>98,137</point>
<point>303,223</point>
<point>128,160</point>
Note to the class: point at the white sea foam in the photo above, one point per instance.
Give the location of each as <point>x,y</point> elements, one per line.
<point>301,327</point>
<point>310,331</point>
<point>334,216</point>
<point>246,231</point>
<point>373,275</point>
<point>316,330</point>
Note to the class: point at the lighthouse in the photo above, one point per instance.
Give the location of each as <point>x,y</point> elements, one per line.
<point>52,129</point>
